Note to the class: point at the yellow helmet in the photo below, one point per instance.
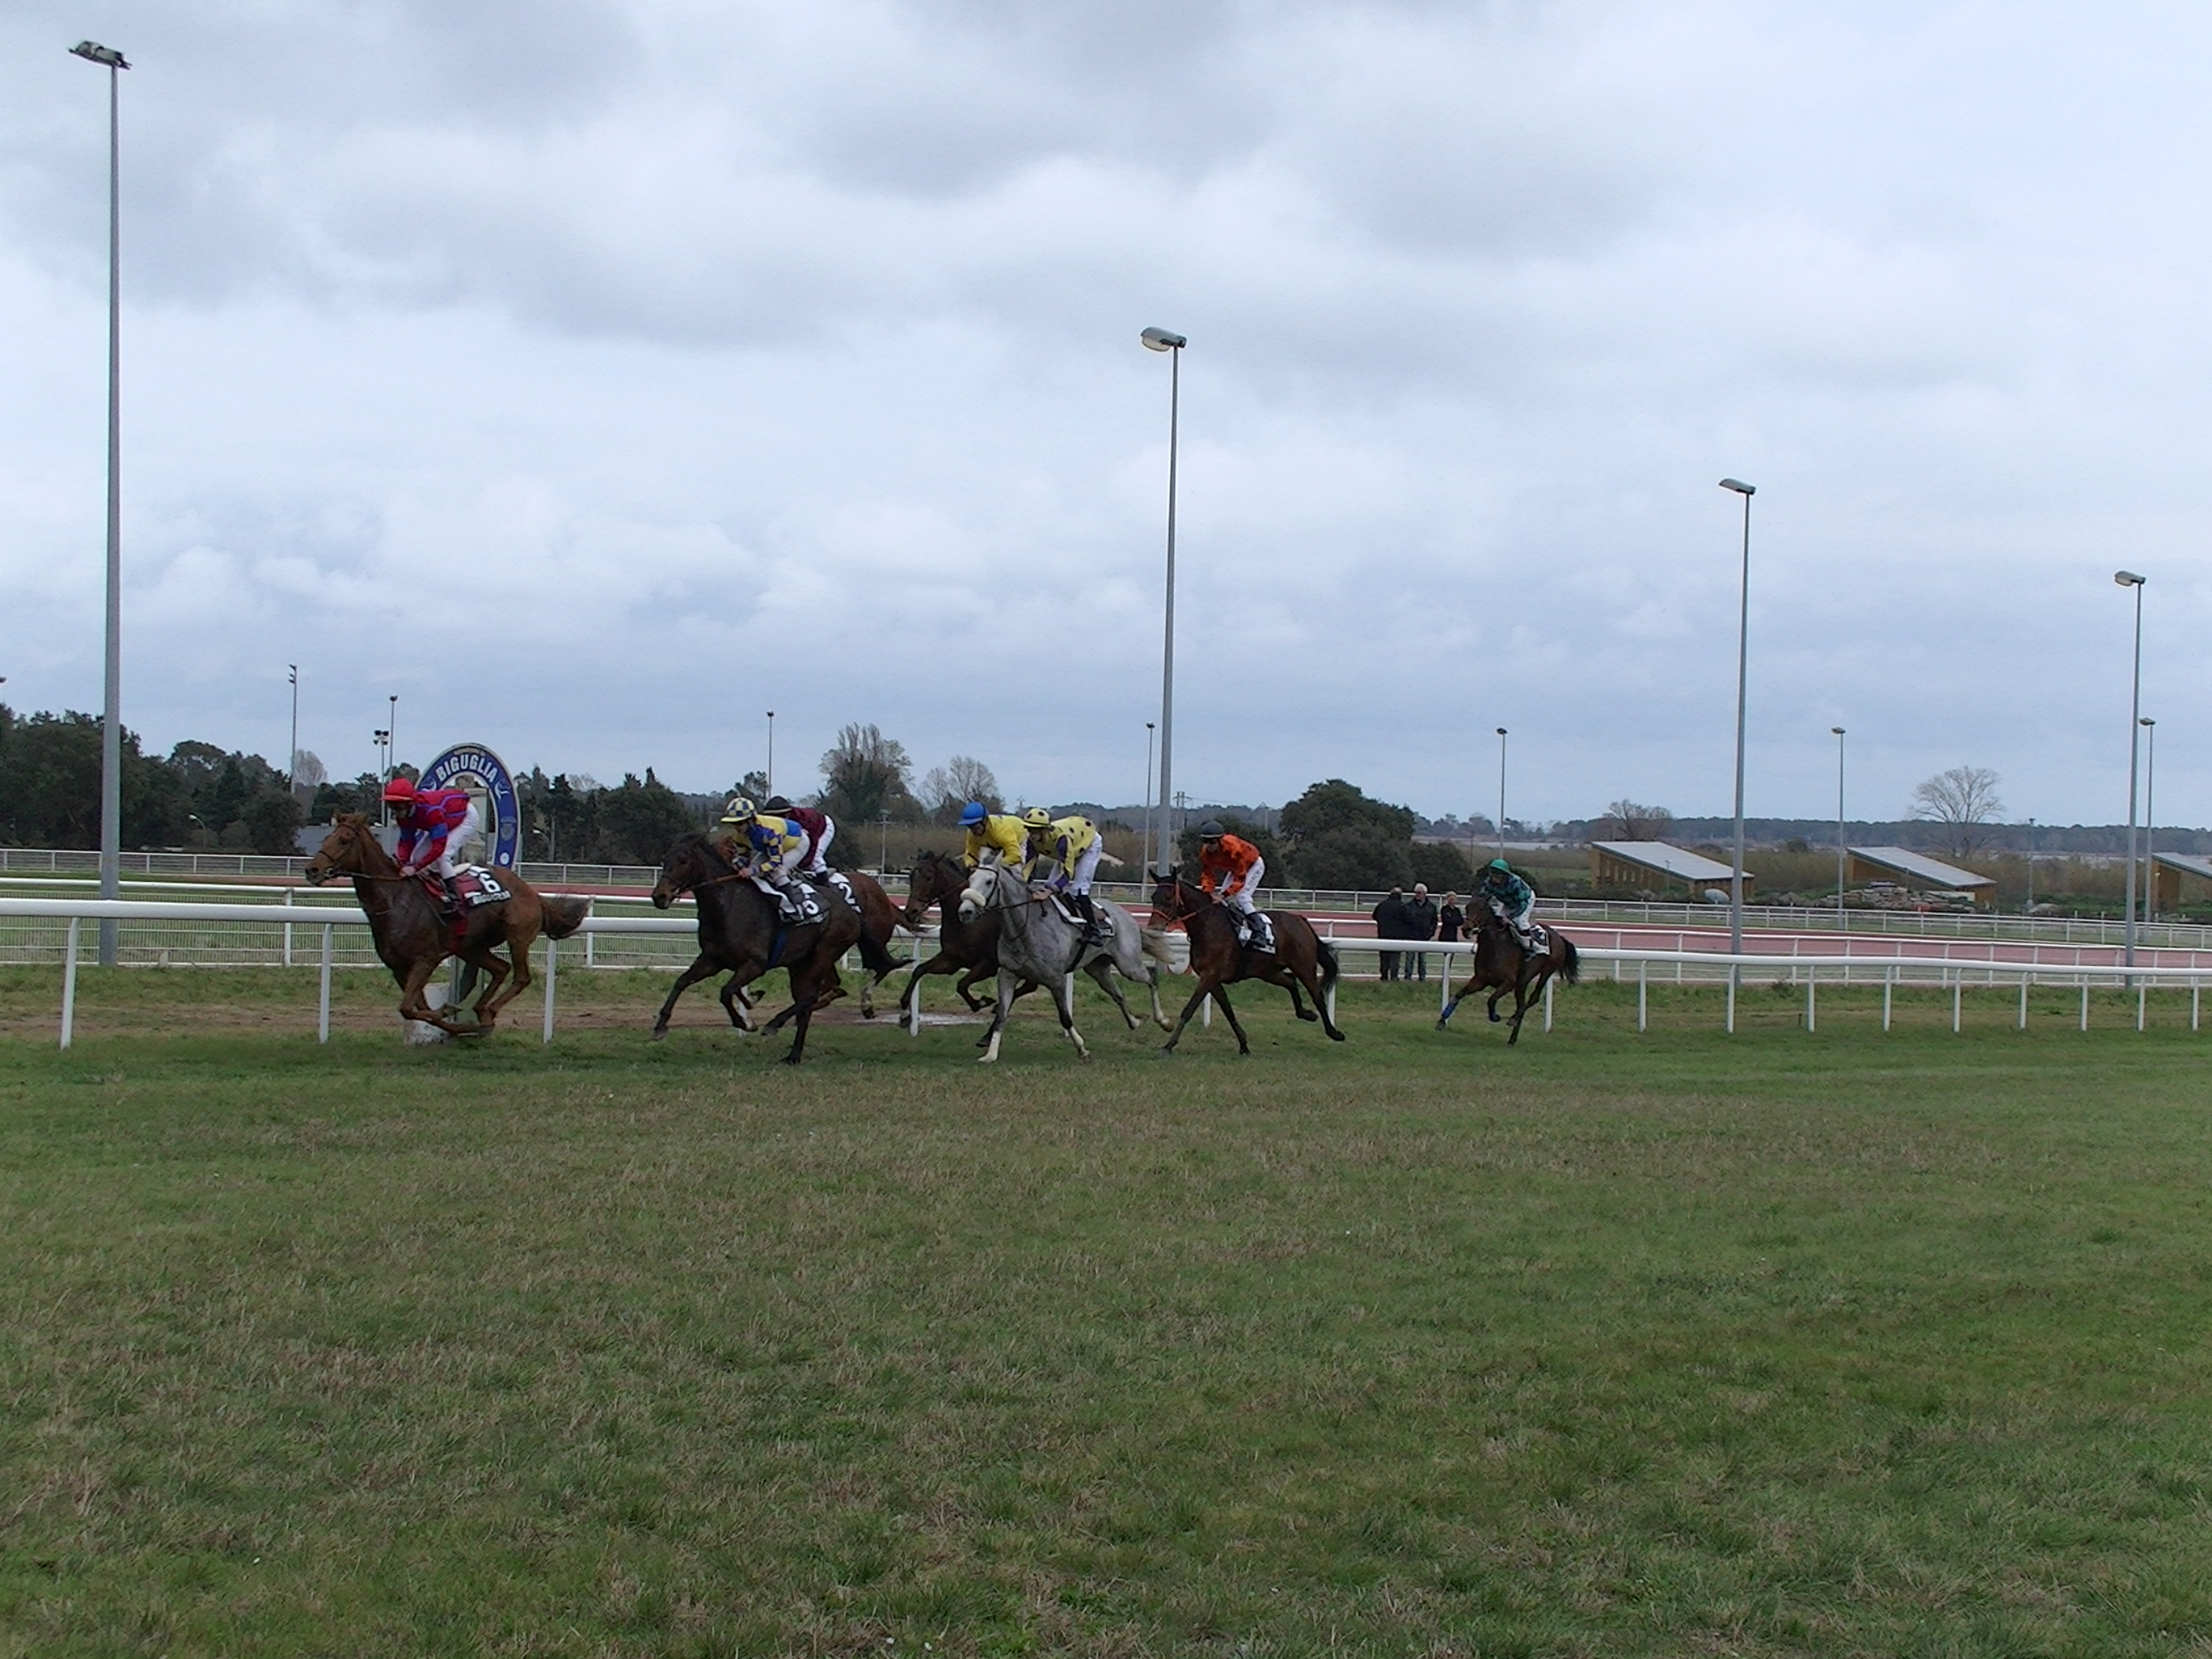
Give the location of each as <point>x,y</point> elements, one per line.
<point>739,810</point>
<point>1037,818</point>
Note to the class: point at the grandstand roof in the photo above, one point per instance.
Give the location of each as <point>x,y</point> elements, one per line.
<point>1678,862</point>
<point>2187,866</point>
<point>1919,870</point>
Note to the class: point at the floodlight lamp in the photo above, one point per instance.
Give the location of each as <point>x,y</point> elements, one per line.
<point>2145,720</point>
<point>1158,339</point>
<point>1835,731</point>
<point>2128,579</point>
<point>93,53</point>
<point>1501,731</point>
<point>1739,486</point>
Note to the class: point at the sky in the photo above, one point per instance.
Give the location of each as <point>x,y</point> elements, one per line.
<point>597,375</point>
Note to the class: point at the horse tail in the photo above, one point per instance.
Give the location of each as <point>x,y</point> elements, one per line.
<point>1571,963</point>
<point>1329,968</point>
<point>564,913</point>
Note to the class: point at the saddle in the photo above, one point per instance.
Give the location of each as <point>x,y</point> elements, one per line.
<point>1259,936</point>
<point>472,885</point>
<point>833,878</point>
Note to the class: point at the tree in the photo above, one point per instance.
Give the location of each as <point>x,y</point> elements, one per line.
<point>635,822</point>
<point>1443,865</point>
<point>1270,849</point>
<point>272,822</point>
<point>945,789</point>
<point>1961,802</point>
<point>866,774</point>
<point>1633,822</point>
<point>1339,838</point>
<point>49,785</point>
<point>309,773</point>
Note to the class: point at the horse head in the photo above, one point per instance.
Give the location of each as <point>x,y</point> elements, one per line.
<point>346,851</point>
<point>935,877</point>
<point>687,863</point>
<point>1175,899</point>
<point>983,887</point>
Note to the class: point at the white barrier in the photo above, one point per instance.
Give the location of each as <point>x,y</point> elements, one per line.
<point>1946,972</point>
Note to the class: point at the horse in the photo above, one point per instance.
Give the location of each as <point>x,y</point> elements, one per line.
<point>966,946</point>
<point>414,937</point>
<point>1301,957</point>
<point>741,929</point>
<point>1502,962</point>
<point>1038,944</point>
<point>879,919</point>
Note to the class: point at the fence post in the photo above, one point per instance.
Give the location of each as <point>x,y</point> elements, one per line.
<point>1734,970</point>
<point>288,929</point>
<point>2196,1001</point>
<point>552,971</point>
<point>1443,991</point>
<point>1547,1004</point>
<point>2143,1000</point>
<point>1958,993</point>
<point>2085,1002</point>
<point>1643,988</point>
<point>2023,1001</point>
<point>323,993</point>
<point>913,995</point>
<point>1812,993</point>
<point>591,951</point>
<point>1889,989</point>
<point>68,986</point>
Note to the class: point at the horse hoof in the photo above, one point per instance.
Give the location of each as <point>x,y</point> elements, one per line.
<point>1336,1037</point>
<point>1498,1019</point>
<point>1444,1025</point>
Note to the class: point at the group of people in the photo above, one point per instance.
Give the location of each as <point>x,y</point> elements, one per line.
<point>1498,888</point>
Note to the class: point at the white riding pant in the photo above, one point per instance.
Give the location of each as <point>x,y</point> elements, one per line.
<point>1086,868</point>
<point>466,835</point>
<point>1239,897</point>
<point>817,860</point>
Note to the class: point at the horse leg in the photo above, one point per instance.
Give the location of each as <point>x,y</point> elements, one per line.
<point>975,1003</point>
<point>700,968</point>
<point>1006,1006</point>
<point>413,1005</point>
<point>1064,1005</point>
<point>1221,996</point>
<point>1153,984</point>
<point>1528,993</point>
<point>1198,997</point>
<point>494,972</point>
<point>1102,970</point>
<point>504,988</point>
<point>736,1005</point>
<point>801,1013</point>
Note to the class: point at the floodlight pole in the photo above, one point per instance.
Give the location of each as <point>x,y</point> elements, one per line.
<point>110,726</point>
<point>1501,792</point>
<point>1160,339</point>
<point>768,777</point>
<point>1742,685</point>
<point>2150,816</point>
<point>292,766</point>
<point>2128,579</point>
<point>1839,730</point>
<point>1146,850</point>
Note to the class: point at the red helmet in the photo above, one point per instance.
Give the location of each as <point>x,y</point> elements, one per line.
<point>399,789</point>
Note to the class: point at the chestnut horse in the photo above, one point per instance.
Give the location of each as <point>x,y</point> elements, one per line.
<point>967,946</point>
<point>1504,963</point>
<point>414,937</point>
<point>1301,957</point>
<point>740,928</point>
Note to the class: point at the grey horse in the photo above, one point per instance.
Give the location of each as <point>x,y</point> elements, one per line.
<point>1036,943</point>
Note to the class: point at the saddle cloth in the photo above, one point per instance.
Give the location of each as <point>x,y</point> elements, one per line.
<point>835,878</point>
<point>1539,942</point>
<point>473,886</point>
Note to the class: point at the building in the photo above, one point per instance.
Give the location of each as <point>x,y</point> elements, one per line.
<point>1902,867</point>
<point>1656,864</point>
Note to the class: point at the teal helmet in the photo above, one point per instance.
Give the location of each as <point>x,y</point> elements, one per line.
<point>1500,864</point>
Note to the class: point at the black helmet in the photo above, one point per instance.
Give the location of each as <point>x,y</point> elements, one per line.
<point>777,803</point>
<point>1211,830</point>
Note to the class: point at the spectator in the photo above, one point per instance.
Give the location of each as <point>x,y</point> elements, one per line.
<point>1451,920</point>
<point>1420,923</point>
<point>1391,923</point>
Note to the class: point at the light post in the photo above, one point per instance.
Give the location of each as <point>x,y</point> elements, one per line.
<point>391,736</point>
<point>382,738</point>
<point>2031,866</point>
<point>1743,685</point>
<point>1501,792</point>
<point>110,730</point>
<point>2128,579</point>
<point>883,841</point>
<point>292,766</point>
<point>1838,731</point>
<point>768,777</point>
<point>2150,816</point>
<point>1147,852</point>
<point>1159,339</point>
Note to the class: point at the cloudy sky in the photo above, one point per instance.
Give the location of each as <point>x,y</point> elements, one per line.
<point>598,374</point>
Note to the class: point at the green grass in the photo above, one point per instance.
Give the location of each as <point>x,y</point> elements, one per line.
<point>1607,1344</point>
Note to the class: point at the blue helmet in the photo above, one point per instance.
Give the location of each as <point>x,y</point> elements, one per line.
<point>972,814</point>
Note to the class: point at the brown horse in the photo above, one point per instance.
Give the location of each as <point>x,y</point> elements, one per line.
<point>1301,957</point>
<point>413,936</point>
<point>1504,963</point>
<point>967,947</point>
<point>740,929</point>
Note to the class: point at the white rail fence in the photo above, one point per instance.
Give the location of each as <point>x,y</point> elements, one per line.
<point>674,936</point>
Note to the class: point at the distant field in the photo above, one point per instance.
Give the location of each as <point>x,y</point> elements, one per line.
<point>1610,1344</point>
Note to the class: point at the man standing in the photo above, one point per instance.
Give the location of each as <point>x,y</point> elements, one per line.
<point>1420,923</point>
<point>1391,923</point>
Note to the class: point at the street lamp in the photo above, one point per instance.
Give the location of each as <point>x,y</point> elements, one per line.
<point>110,730</point>
<point>1742,683</point>
<point>1838,731</point>
<point>1501,792</point>
<point>2150,816</point>
<point>292,766</point>
<point>2031,867</point>
<point>391,736</point>
<point>2128,579</point>
<point>1159,339</point>
<point>1147,851</point>
<point>768,777</point>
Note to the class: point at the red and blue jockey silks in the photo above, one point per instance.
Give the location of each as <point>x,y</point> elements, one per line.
<point>431,816</point>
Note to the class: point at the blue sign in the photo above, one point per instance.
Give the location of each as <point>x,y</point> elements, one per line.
<point>472,767</point>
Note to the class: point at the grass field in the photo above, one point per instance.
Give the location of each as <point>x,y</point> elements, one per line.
<point>1827,1344</point>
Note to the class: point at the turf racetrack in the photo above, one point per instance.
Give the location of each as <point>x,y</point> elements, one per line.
<point>1839,1343</point>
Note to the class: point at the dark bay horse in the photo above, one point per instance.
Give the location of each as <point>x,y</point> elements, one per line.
<point>879,920</point>
<point>740,931</point>
<point>967,946</point>
<point>1301,957</point>
<point>1504,964</point>
<point>413,936</point>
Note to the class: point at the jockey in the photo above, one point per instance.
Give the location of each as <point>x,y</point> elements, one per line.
<point>820,830</point>
<point>1510,899</point>
<point>1070,848</point>
<point>773,849</point>
<point>996,832</point>
<point>1230,868</point>
<point>434,825</point>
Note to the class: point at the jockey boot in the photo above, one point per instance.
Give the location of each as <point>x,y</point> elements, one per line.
<point>1094,928</point>
<point>1263,933</point>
